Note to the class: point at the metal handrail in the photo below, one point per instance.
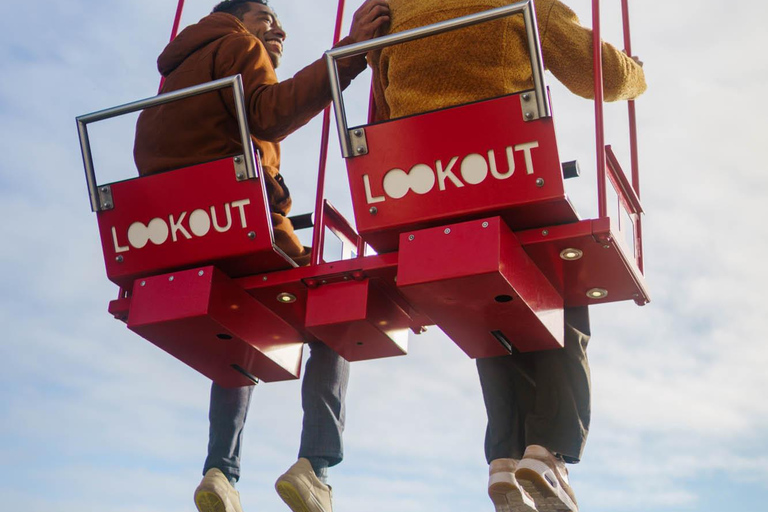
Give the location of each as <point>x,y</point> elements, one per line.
<point>235,82</point>
<point>526,8</point>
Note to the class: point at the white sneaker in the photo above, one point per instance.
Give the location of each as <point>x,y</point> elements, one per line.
<point>545,477</point>
<point>504,490</point>
<point>216,494</point>
<point>302,491</point>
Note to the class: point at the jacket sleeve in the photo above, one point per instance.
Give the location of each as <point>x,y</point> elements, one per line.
<point>567,50</point>
<point>277,109</point>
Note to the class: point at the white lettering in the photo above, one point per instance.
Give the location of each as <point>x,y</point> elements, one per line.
<point>474,169</point>
<point>240,205</point>
<point>177,227</point>
<point>510,162</point>
<point>200,222</point>
<point>526,148</point>
<point>447,173</point>
<point>228,213</point>
<point>118,248</point>
<point>368,194</point>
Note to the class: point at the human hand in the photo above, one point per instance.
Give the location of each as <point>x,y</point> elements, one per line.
<point>372,16</point>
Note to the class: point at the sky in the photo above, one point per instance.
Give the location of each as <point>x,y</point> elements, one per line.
<point>92,417</point>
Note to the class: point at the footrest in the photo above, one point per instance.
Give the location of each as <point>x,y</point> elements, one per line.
<point>209,322</point>
<point>475,281</point>
<point>358,320</point>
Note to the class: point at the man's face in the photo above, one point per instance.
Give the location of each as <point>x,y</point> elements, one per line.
<point>262,23</point>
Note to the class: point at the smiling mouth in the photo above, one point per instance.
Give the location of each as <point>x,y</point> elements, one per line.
<point>276,44</point>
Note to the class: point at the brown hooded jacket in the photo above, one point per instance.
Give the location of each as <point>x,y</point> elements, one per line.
<point>204,128</point>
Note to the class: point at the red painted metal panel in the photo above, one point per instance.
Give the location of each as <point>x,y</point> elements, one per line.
<point>455,164</point>
<point>209,322</point>
<point>186,218</point>
<point>358,320</point>
<point>474,279</point>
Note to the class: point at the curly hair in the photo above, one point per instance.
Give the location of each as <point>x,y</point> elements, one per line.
<point>237,8</point>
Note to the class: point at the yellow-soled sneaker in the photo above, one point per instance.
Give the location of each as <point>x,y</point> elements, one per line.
<point>216,494</point>
<point>302,491</point>
<point>545,478</point>
<point>505,492</point>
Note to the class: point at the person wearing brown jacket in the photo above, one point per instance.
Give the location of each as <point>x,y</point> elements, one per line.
<point>532,431</point>
<point>245,37</point>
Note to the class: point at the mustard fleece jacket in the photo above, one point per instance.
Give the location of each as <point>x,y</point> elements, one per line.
<point>489,59</point>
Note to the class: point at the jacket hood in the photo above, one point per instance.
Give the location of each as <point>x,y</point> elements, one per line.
<point>194,37</point>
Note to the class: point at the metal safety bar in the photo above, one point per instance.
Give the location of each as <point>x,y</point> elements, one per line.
<point>526,8</point>
<point>235,82</point>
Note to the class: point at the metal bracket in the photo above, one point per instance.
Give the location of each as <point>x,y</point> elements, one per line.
<point>241,173</point>
<point>359,142</point>
<point>105,198</point>
<point>529,103</point>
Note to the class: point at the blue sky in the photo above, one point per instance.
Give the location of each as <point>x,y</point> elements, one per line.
<point>94,418</point>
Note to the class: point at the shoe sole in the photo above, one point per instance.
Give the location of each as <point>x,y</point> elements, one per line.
<point>291,496</point>
<point>209,502</point>
<point>507,497</point>
<point>547,498</point>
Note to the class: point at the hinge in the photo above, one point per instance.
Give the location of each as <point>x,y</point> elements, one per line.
<point>529,104</point>
<point>105,198</point>
<point>358,141</point>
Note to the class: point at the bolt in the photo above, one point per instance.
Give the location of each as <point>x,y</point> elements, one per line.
<point>485,224</point>
<point>201,273</point>
<point>264,278</point>
<point>526,97</point>
<point>606,246</point>
<point>238,159</point>
<point>447,231</point>
<point>170,278</point>
<point>540,182</point>
<point>252,235</point>
<point>358,132</point>
<point>529,115</point>
<point>104,190</point>
<point>373,210</point>
<point>240,176</point>
<point>119,259</point>
<point>143,283</point>
<point>361,150</point>
<point>545,232</point>
<point>107,205</point>
<point>411,238</point>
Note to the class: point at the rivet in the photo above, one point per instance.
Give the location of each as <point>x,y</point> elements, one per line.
<point>238,159</point>
<point>361,150</point>
<point>526,97</point>
<point>485,224</point>
<point>540,182</point>
<point>201,273</point>
<point>240,176</point>
<point>107,205</point>
<point>447,231</point>
<point>373,210</point>
<point>323,282</point>
<point>358,133</point>
<point>119,259</point>
<point>264,278</point>
<point>252,235</point>
<point>411,238</point>
<point>545,232</point>
<point>104,190</point>
<point>606,246</point>
<point>143,283</point>
<point>529,115</point>
<point>170,278</point>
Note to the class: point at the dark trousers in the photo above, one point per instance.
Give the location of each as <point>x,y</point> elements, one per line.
<point>555,413</point>
<point>323,391</point>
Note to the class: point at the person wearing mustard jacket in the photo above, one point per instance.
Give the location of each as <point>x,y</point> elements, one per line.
<point>531,431</point>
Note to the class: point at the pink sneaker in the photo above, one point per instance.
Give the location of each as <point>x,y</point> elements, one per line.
<point>545,477</point>
<point>503,489</point>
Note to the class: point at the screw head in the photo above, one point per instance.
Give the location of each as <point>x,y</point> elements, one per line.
<point>485,224</point>
<point>373,210</point>
<point>252,235</point>
<point>201,273</point>
<point>264,278</point>
<point>358,132</point>
<point>540,182</point>
<point>411,238</point>
<point>170,278</point>
<point>104,190</point>
<point>447,231</point>
<point>240,176</point>
<point>119,259</point>
<point>238,159</point>
<point>545,232</point>
<point>143,283</point>
<point>107,205</point>
<point>361,150</point>
<point>606,246</point>
<point>529,115</point>
<point>526,97</point>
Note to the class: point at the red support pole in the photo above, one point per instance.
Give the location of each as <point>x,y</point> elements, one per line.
<point>318,239</point>
<point>174,31</point>
<point>597,56</point>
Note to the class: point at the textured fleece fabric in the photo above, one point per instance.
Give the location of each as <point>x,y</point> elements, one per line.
<point>489,59</point>
<point>204,128</point>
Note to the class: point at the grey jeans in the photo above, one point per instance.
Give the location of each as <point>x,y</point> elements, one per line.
<point>323,391</point>
<point>556,412</point>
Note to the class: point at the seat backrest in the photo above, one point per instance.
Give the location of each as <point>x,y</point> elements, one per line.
<point>200,215</point>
